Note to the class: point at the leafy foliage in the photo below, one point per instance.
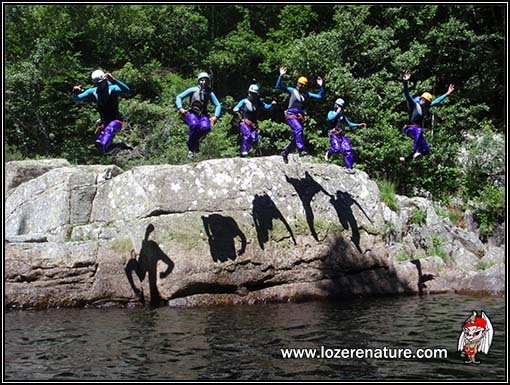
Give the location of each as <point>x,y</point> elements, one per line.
<point>360,50</point>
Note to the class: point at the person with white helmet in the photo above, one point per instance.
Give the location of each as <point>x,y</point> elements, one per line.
<point>196,116</point>
<point>337,138</point>
<point>418,108</point>
<point>105,95</point>
<point>294,115</point>
<point>250,108</point>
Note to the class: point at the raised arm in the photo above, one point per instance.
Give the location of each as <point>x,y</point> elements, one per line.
<point>439,99</point>
<point>320,94</point>
<point>279,85</point>
<point>409,98</point>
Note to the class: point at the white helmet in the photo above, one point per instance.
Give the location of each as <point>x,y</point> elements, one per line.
<point>202,75</point>
<point>254,88</point>
<point>340,102</point>
<point>98,76</point>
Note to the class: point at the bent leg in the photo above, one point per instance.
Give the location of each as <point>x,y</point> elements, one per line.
<point>335,142</point>
<point>192,120</point>
<point>348,153</point>
<point>297,130</point>
<point>203,129</point>
<point>105,137</point>
<point>245,137</point>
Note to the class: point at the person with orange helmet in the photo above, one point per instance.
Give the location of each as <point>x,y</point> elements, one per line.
<point>418,108</point>
<point>294,115</point>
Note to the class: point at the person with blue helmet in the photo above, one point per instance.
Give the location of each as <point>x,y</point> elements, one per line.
<point>249,108</point>
<point>196,116</point>
<point>418,108</point>
<point>106,96</point>
<point>337,137</point>
<point>295,113</point>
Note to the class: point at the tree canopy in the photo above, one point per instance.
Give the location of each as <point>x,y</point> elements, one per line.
<point>361,51</point>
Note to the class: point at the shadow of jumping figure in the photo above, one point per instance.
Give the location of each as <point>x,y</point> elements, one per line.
<point>263,212</point>
<point>306,188</point>
<point>342,203</point>
<point>221,232</point>
<point>147,262</point>
<point>422,278</point>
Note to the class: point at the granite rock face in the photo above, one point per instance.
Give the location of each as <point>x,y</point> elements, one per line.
<point>224,231</point>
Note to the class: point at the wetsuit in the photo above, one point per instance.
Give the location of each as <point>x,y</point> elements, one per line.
<point>196,117</point>
<point>107,104</point>
<point>250,110</point>
<point>339,141</point>
<point>295,113</point>
<point>417,112</point>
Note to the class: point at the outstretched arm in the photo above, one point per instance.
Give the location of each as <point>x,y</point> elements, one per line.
<point>79,95</point>
<point>351,124</point>
<point>438,100</point>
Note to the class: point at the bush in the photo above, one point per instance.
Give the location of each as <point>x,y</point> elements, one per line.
<point>491,209</point>
<point>418,217</point>
<point>387,190</point>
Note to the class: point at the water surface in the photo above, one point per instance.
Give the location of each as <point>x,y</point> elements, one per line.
<point>242,343</point>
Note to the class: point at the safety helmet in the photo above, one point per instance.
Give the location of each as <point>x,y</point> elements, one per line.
<point>340,102</point>
<point>427,96</point>
<point>253,88</point>
<point>202,75</point>
<point>98,76</point>
<point>303,80</point>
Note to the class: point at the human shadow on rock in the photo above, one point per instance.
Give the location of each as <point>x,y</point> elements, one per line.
<point>147,262</point>
<point>221,232</point>
<point>342,203</point>
<point>263,212</point>
<point>306,189</point>
<point>422,278</point>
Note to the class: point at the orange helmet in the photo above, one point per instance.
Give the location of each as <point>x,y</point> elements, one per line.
<point>428,97</point>
<point>303,80</point>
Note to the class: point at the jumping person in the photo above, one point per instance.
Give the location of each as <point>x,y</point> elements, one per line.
<point>249,108</point>
<point>295,112</point>
<point>105,95</point>
<point>339,141</point>
<point>418,108</point>
<point>196,116</point>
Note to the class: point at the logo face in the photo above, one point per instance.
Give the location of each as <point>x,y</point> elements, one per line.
<point>476,337</point>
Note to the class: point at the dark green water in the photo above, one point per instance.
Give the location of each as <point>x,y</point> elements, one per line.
<point>242,343</point>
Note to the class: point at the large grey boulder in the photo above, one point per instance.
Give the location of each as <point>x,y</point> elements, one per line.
<point>224,230</point>
<point>18,172</point>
